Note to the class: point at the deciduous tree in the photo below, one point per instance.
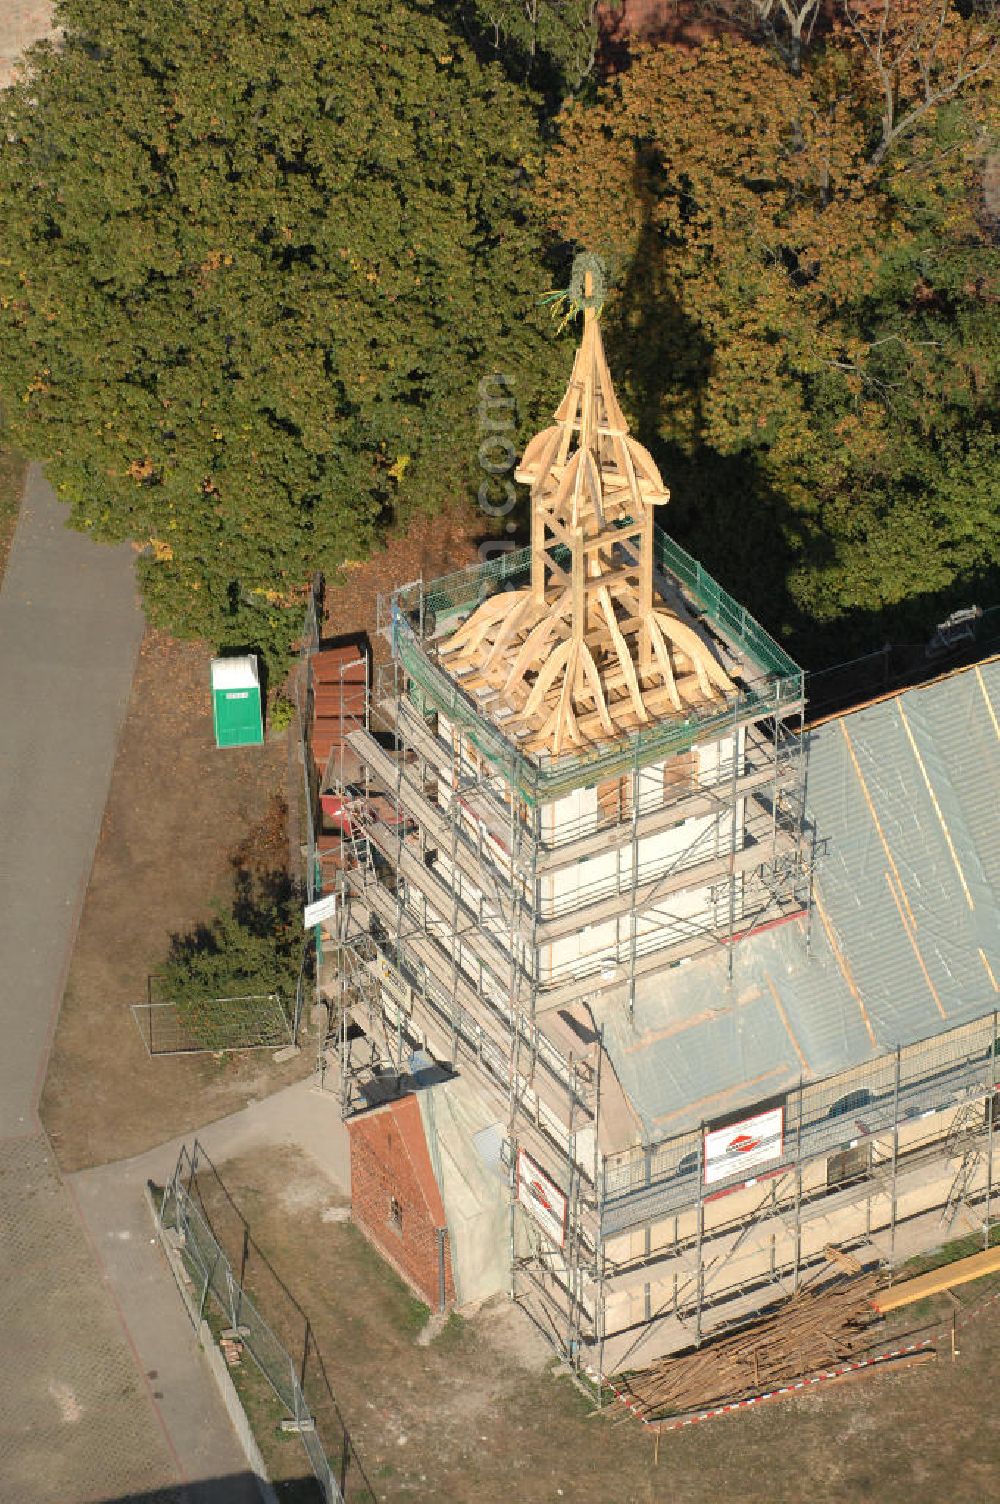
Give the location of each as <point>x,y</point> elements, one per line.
<point>551,44</point>
<point>255,257</point>
<point>808,327</point>
<point>919,54</point>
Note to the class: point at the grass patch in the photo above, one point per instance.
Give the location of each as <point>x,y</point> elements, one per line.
<point>452,1335</point>
<point>950,1252</point>
<point>919,1311</point>
<point>406,1313</point>
<point>415,1315</point>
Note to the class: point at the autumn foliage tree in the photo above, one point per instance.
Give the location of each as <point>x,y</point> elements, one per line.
<point>917,55</point>
<point>806,304</point>
<point>256,256</point>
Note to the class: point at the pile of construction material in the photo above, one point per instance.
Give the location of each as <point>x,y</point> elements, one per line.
<point>231,1343</point>
<point>821,1325</point>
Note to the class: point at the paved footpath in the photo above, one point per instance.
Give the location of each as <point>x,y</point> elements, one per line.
<point>82,1417</point>
<point>113,1207</point>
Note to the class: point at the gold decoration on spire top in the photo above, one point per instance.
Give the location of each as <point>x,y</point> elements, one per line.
<point>588,651</point>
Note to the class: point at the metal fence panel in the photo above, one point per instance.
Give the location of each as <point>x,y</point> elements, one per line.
<point>175,1026</point>
<point>212,1275</point>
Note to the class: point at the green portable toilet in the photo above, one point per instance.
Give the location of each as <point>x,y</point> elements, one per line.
<point>236,708</point>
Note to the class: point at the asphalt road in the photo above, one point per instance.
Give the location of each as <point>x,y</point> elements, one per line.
<point>83,1417</point>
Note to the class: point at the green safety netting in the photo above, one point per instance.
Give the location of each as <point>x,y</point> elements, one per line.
<point>539,779</point>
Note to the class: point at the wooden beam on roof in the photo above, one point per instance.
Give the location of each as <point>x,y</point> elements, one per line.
<point>661,652</point>
<point>473,630</point>
<point>547,675</point>
<point>936,1281</point>
<point>622,715</point>
<point>594,681</point>
<point>509,627</point>
<point>530,651</point>
<point>540,662</point>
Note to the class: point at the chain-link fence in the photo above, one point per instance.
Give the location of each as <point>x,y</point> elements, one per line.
<point>217,1259</point>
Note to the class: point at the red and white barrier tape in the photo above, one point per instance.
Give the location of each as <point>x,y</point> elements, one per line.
<point>759,1399</point>
<point>785,1389</point>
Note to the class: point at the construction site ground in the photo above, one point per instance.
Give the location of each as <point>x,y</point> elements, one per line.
<point>177,810</point>
<point>479,1414</point>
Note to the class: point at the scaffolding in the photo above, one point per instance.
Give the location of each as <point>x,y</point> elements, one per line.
<point>881,1177</point>
<point>440,863</point>
<point>584,764</point>
<point>424,960</point>
<point>449,867</point>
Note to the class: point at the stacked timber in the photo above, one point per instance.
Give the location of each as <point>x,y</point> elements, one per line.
<point>818,1326</point>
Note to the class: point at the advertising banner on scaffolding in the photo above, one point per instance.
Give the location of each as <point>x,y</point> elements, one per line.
<point>543,1200</point>
<point>744,1147</point>
<point>322,908</point>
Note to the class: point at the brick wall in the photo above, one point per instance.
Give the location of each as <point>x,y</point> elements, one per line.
<point>395,1199</point>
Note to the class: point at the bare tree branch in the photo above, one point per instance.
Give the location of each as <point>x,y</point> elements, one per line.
<point>921,53</point>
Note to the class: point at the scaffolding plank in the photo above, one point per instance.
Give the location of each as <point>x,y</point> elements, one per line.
<point>695,803</point>
<point>487,946</point>
<point>609,906</point>
<point>436,822</point>
<point>497,1031</point>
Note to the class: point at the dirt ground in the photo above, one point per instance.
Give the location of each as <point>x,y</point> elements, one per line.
<point>21,23</point>
<point>179,815</point>
<point>478,1414</point>
<point>178,808</point>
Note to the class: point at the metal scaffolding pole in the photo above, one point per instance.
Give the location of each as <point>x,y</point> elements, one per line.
<point>776,787</point>
<point>633,927</point>
<point>732,841</point>
<point>512,1140</point>
<point>802,784</point>
<point>572,1220</point>
<point>599,1228</point>
<point>798,1189</point>
<point>454,816</point>
<point>895,1157</point>
<point>990,1106</point>
<point>700,1234</point>
<point>514,981</point>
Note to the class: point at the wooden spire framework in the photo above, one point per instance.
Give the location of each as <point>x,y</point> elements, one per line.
<point>587,651</point>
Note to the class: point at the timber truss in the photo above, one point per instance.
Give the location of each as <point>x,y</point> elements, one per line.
<point>587,650</point>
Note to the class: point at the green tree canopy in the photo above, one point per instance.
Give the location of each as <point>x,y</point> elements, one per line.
<point>256,256</point>
<point>807,318</point>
